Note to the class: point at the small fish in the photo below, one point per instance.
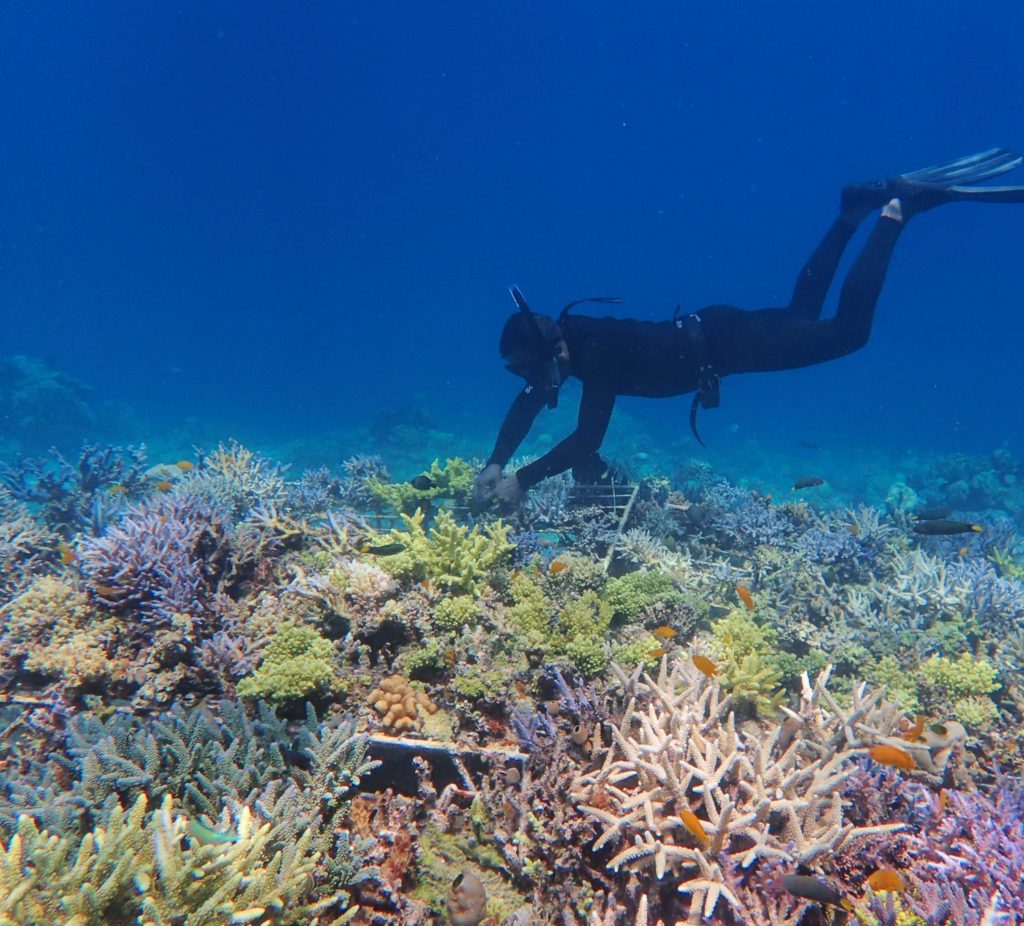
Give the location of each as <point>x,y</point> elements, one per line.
<point>943,801</point>
<point>557,566</point>
<point>745,597</point>
<point>944,528</point>
<point>693,825</point>
<point>807,482</point>
<point>106,590</point>
<point>916,730</point>
<point>705,665</point>
<point>118,489</point>
<point>894,756</point>
<point>666,633</point>
<point>426,586</point>
<point>422,482</point>
<point>206,836</point>
<point>886,879</point>
<point>933,514</point>
<point>657,653</point>
<point>810,445</point>
<point>297,758</point>
<point>185,465</point>
<point>385,549</point>
<point>67,553</point>
<point>165,485</point>
<point>813,889</point>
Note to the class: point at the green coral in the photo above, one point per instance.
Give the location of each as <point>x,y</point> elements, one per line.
<point>900,685</point>
<point>1007,563</point>
<point>456,612</point>
<point>963,686</point>
<point>630,655</point>
<point>961,678</point>
<point>579,633</point>
<point>443,856</point>
<point>450,555</point>
<point>747,656</point>
<point>530,614</point>
<point>298,664</point>
<point>453,479</point>
<point>423,660</point>
<point>632,594</point>
<point>475,683</point>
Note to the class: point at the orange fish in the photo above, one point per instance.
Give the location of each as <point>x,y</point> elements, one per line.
<point>886,879</point>
<point>693,825</point>
<point>705,665</point>
<point>657,653</point>
<point>745,597</point>
<point>105,590</point>
<point>185,465</point>
<point>425,585</point>
<point>916,730</point>
<point>666,633</point>
<point>557,566</point>
<point>943,801</point>
<point>892,755</point>
<point>164,485</point>
<point>67,553</point>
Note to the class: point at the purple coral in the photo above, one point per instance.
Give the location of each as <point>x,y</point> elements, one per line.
<point>164,557</point>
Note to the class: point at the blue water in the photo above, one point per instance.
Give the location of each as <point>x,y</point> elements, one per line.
<point>275,221</point>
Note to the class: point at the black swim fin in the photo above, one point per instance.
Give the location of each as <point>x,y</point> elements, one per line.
<point>931,186</point>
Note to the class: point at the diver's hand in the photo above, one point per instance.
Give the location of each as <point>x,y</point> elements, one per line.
<point>486,482</point>
<point>509,492</point>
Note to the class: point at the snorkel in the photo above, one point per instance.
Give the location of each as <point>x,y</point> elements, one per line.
<point>551,377</point>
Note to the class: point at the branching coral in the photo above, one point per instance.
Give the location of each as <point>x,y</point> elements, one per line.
<point>166,556</point>
<point>684,789</point>
<point>453,557</point>
<point>137,868</point>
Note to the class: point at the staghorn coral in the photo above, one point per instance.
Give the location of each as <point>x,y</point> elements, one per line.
<point>684,789</point>
<point>167,556</point>
<point>453,480</point>
<point>27,547</point>
<point>234,478</point>
<point>138,868</point>
<point>451,556</point>
<point>71,498</point>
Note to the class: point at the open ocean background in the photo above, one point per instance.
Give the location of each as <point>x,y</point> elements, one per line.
<point>286,223</point>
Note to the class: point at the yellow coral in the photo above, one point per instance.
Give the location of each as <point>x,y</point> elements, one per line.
<point>52,628</point>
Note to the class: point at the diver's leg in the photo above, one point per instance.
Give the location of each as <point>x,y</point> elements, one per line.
<point>775,339</point>
<point>817,274</point>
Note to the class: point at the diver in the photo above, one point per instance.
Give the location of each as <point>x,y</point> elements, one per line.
<point>692,352</point>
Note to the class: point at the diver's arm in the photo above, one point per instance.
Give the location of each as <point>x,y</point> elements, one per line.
<point>595,413</point>
<point>516,426</point>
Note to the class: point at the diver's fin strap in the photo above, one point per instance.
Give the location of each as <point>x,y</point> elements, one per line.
<point>708,394</point>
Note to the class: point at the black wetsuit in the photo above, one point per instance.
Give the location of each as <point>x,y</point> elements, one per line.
<point>614,357</point>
